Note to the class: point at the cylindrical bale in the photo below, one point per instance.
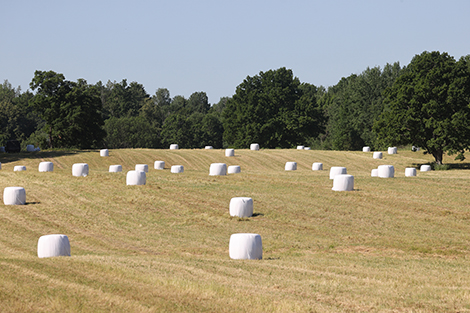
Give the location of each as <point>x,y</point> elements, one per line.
<point>254,147</point>
<point>46,167</point>
<point>317,166</point>
<point>174,146</point>
<point>29,148</point>
<point>306,148</point>
<point>245,247</point>
<point>241,207</point>
<point>2,149</point>
<point>229,152</point>
<point>414,149</point>
<point>392,150</point>
<point>115,168</point>
<point>159,165</point>
<point>300,147</point>
<point>53,245</point>
<point>218,169</point>
<point>337,170</point>
<point>177,169</point>
<point>104,152</point>
<point>290,166</point>
<point>19,168</point>
<point>386,171</point>
<point>425,168</point>
<point>410,172</point>
<point>208,147</point>
<point>80,169</point>
<point>377,155</point>
<point>14,196</point>
<point>234,169</point>
<point>142,167</point>
<point>343,182</point>
<point>366,149</point>
<point>134,178</point>
<point>374,173</point>
<point>0,165</point>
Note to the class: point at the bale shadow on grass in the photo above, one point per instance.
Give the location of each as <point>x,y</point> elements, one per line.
<point>257,214</point>
<point>28,203</point>
<point>13,157</point>
<point>452,166</point>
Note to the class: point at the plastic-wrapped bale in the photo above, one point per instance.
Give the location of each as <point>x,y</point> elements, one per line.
<point>37,149</point>
<point>218,169</point>
<point>0,165</point>
<point>208,147</point>
<point>337,170</point>
<point>300,147</point>
<point>366,149</point>
<point>115,168</point>
<point>19,168</point>
<point>2,149</point>
<point>290,166</point>
<point>104,152</point>
<point>392,150</point>
<point>425,168</point>
<point>142,167</point>
<point>241,207</point>
<point>317,166</point>
<point>410,172</point>
<point>46,167</point>
<point>177,169</point>
<point>377,155</point>
<point>234,169</point>
<point>229,152</point>
<point>29,148</point>
<point>174,146</point>
<point>14,196</point>
<point>159,165</point>
<point>386,171</point>
<point>245,247</point>
<point>134,178</point>
<point>306,148</point>
<point>374,173</point>
<point>254,147</point>
<point>80,169</point>
<point>343,182</point>
<point>53,245</point>
<point>414,149</point>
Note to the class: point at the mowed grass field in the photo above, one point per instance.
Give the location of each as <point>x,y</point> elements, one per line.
<point>391,245</point>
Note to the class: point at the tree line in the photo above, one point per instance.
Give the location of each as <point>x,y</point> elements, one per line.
<point>425,103</point>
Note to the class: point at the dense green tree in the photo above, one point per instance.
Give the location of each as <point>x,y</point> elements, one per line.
<point>428,106</point>
<point>131,132</point>
<point>122,99</point>
<point>198,102</point>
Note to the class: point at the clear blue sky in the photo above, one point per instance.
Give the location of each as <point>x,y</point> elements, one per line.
<point>211,46</point>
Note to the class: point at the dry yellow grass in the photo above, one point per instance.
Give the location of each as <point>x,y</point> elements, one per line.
<point>392,245</point>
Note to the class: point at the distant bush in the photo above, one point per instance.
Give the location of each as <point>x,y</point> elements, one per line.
<point>440,167</point>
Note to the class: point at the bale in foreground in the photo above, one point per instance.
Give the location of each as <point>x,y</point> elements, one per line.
<point>14,196</point>
<point>80,169</point>
<point>245,246</point>
<point>134,178</point>
<point>241,207</point>
<point>53,245</point>
<point>46,167</point>
<point>343,182</point>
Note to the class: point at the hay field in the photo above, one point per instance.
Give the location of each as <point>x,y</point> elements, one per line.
<point>392,245</point>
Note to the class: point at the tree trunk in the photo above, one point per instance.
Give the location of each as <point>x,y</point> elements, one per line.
<point>437,156</point>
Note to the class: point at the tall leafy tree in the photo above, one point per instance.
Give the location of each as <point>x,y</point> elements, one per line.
<point>122,99</point>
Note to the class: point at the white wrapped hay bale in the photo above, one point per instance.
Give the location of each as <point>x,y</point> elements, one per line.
<point>317,166</point>
<point>142,167</point>
<point>377,155</point>
<point>104,152</point>
<point>343,182</point>
<point>14,196</point>
<point>229,152</point>
<point>290,166</point>
<point>414,148</point>
<point>245,247</point>
<point>241,207</point>
<point>366,149</point>
<point>208,147</point>
<point>0,165</point>
<point>174,146</point>
<point>37,149</point>
<point>80,169</point>
<point>386,171</point>
<point>254,147</point>
<point>234,169</point>
<point>392,150</point>
<point>410,172</point>
<point>425,168</point>
<point>135,178</point>
<point>19,168</point>
<point>300,147</point>
<point>177,169</point>
<point>159,165</point>
<point>306,148</point>
<point>115,168</point>
<point>374,173</point>
<point>218,169</point>
<point>337,170</point>
<point>53,245</point>
<point>29,148</point>
<point>46,167</point>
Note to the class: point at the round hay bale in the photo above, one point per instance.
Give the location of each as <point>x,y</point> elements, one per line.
<point>218,169</point>
<point>134,178</point>
<point>414,148</point>
<point>142,167</point>
<point>410,172</point>
<point>306,148</point>
<point>245,247</point>
<point>392,150</point>
<point>2,149</point>
<point>29,148</point>
<point>374,173</point>
<point>174,146</point>
<point>386,171</point>
<point>208,147</point>
<point>254,147</point>
<point>80,169</point>
<point>366,149</point>
<point>19,168</point>
<point>377,155</point>
<point>53,245</point>
<point>159,165</point>
<point>241,207</point>
<point>317,166</point>
<point>229,152</point>
<point>177,169</point>
<point>46,167</point>
<point>14,196</point>
<point>300,147</point>
<point>425,168</point>
<point>104,152</point>
<point>337,170</point>
<point>343,182</point>
<point>290,166</point>
<point>115,168</point>
<point>234,169</point>
<point>0,165</point>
